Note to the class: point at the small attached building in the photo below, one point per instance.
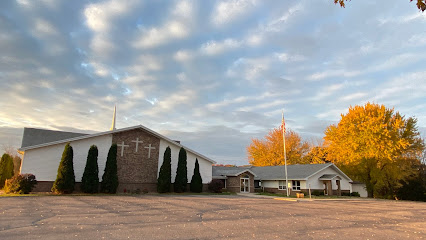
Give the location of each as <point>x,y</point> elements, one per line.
<point>235,179</point>
<point>327,178</point>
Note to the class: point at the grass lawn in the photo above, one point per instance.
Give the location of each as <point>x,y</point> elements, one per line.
<point>306,196</point>
<point>37,194</point>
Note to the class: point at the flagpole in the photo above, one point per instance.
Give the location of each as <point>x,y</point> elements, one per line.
<point>285,156</point>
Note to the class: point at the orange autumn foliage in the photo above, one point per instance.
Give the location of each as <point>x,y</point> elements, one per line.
<point>269,151</point>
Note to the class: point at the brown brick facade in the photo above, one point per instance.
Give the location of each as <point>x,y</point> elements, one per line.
<point>233,184</point>
<point>137,167</point>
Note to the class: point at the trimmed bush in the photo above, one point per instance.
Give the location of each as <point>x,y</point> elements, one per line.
<point>216,186</point>
<point>317,193</point>
<point>181,179</point>
<point>6,168</point>
<point>355,194</point>
<point>196,181</point>
<point>65,180</point>
<point>165,177</point>
<point>90,180</point>
<point>21,184</point>
<point>109,182</point>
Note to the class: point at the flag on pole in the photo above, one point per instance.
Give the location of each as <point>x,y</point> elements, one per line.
<point>283,123</point>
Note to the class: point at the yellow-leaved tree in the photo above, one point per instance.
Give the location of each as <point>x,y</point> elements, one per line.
<point>270,152</point>
<point>375,145</point>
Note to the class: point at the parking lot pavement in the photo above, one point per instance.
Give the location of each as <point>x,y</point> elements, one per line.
<point>207,217</point>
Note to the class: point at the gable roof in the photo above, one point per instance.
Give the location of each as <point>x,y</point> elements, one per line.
<point>218,171</point>
<point>86,136</point>
<point>36,136</point>
<point>295,172</point>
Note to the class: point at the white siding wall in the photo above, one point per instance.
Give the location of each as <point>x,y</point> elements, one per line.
<point>44,162</point>
<point>360,188</point>
<point>275,184</point>
<point>205,166</point>
<point>270,184</point>
<point>318,184</point>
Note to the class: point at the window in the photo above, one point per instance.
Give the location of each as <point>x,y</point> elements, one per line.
<point>281,185</point>
<point>296,185</point>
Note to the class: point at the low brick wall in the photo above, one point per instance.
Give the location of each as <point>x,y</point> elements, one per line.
<point>46,186</point>
<point>136,187</point>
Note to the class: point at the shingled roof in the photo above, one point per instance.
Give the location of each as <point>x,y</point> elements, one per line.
<point>36,136</point>
<point>295,172</point>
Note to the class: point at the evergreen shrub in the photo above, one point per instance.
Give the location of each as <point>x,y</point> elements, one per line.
<point>65,180</point>
<point>21,184</point>
<point>165,176</point>
<point>6,168</point>
<point>181,179</point>
<point>90,180</point>
<point>109,182</point>
<point>196,181</point>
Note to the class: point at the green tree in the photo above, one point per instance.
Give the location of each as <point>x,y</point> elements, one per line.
<point>109,182</point>
<point>90,180</point>
<point>181,179</point>
<point>269,152</point>
<point>196,181</point>
<point>421,4</point>
<point>65,180</point>
<point>165,177</point>
<point>6,168</point>
<point>375,145</point>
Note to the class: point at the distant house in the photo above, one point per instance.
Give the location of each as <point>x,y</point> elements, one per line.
<point>326,178</point>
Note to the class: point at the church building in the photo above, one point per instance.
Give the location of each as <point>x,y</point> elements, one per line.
<point>139,156</point>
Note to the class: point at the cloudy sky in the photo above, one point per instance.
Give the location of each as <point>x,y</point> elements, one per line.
<point>213,74</point>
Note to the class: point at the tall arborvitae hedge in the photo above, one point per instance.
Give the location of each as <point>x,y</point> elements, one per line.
<point>109,182</point>
<point>90,180</point>
<point>6,168</point>
<point>165,177</point>
<point>181,179</point>
<point>196,181</point>
<point>65,179</point>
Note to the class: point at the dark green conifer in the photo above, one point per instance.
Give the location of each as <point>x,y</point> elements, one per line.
<point>65,179</point>
<point>90,180</point>
<point>165,177</point>
<point>196,181</point>
<point>6,168</point>
<point>109,182</point>
<point>181,179</point>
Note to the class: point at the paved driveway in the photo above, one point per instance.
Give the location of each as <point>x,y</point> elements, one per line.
<point>207,217</point>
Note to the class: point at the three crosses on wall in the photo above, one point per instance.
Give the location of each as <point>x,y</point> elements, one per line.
<point>137,141</point>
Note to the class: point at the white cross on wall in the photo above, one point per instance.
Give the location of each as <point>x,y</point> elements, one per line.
<point>122,147</point>
<point>149,150</point>
<point>137,143</point>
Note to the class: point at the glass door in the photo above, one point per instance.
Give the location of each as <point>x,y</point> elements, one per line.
<point>245,185</point>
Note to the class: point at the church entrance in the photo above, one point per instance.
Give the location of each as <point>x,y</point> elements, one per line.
<point>245,185</point>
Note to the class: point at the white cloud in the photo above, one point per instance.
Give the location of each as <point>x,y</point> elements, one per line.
<point>43,27</point>
<point>226,12</point>
<point>278,24</point>
<point>285,57</point>
<point>183,55</point>
<point>327,91</point>
<point>215,48</point>
<point>353,96</point>
<point>184,9</point>
<point>333,73</point>
<point>154,37</point>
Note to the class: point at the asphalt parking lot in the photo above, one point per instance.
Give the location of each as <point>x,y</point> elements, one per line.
<point>207,217</point>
